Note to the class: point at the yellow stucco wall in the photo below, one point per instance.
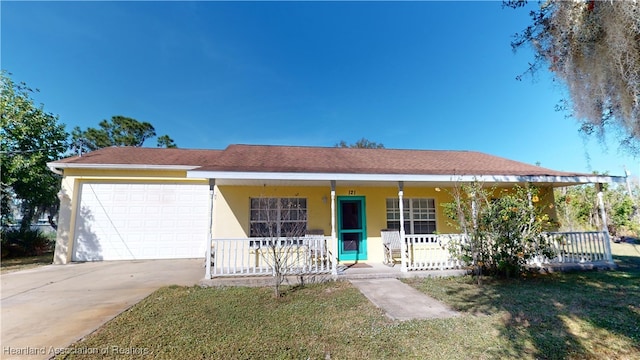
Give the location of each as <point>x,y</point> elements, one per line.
<point>231,214</point>
<point>231,211</point>
<point>232,207</point>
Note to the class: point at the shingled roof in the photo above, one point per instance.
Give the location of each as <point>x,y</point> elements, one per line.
<point>252,158</point>
<point>300,159</point>
<point>127,155</point>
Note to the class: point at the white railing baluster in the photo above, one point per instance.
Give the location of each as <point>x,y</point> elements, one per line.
<point>583,248</point>
<point>577,238</point>
<point>310,255</point>
<point>596,247</point>
<point>587,250</point>
<point>591,256</point>
<point>587,247</point>
<point>578,247</point>
<point>600,245</point>
<point>430,252</point>
<point>248,256</point>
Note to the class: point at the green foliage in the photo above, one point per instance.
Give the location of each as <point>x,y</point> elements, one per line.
<point>166,142</point>
<point>593,48</point>
<point>119,131</point>
<point>504,228</point>
<point>30,137</point>
<point>20,243</point>
<point>622,212</point>
<point>360,144</point>
<point>578,209</point>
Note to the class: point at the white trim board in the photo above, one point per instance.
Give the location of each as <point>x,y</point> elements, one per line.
<point>230,175</point>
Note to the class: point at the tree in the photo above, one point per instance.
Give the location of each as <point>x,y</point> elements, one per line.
<point>119,131</point>
<point>578,209</point>
<point>504,231</point>
<point>166,142</point>
<point>30,137</point>
<point>281,242</point>
<point>360,144</point>
<point>594,48</point>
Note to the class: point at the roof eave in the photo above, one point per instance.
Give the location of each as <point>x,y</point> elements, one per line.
<point>560,180</point>
<point>59,165</point>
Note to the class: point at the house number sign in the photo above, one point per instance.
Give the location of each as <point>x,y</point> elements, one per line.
<point>352,192</point>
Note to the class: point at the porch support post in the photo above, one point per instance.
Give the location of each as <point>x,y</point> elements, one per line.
<point>403,243</point>
<point>605,228</point>
<point>334,241</point>
<point>627,173</point>
<point>212,200</point>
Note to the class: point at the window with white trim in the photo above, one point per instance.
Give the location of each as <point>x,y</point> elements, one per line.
<point>419,215</point>
<point>278,217</point>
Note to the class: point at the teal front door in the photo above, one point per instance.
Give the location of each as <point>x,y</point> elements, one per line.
<point>352,229</point>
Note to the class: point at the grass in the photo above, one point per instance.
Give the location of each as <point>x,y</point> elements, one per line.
<point>579,315</point>
<point>583,315</point>
<point>331,320</point>
<point>24,263</point>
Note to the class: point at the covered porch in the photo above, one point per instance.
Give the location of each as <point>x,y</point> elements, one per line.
<point>415,255</point>
<point>320,252</point>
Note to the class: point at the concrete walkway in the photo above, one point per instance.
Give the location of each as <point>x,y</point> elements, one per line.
<point>400,301</point>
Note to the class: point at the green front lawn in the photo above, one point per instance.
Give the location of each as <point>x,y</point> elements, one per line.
<point>593,314</point>
<point>331,320</point>
<point>574,315</point>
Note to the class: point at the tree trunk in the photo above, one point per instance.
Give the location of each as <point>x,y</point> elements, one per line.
<point>52,222</point>
<point>27,218</point>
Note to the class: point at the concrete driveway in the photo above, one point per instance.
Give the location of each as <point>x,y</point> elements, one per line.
<point>50,307</point>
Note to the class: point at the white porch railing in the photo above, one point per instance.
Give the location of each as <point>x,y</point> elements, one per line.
<point>431,252</point>
<point>312,255</point>
<point>255,256</point>
<point>576,247</point>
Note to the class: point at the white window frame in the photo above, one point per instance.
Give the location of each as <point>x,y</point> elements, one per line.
<point>274,211</point>
<point>414,213</point>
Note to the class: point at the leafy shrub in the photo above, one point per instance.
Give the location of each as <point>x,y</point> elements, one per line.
<point>30,242</point>
<point>505,229</point>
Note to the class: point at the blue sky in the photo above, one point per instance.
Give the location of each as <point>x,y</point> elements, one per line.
<point>416,75</point>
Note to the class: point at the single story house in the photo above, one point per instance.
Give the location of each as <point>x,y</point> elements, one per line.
<point>128,203</point>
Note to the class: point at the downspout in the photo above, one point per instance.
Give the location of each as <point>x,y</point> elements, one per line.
<point>334,242</point>
<point>605,229</point>
<point>212,198</point>
<point>403,244</point>
<point>55,170</point>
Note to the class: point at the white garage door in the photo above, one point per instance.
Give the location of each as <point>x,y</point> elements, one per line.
<point>141,221</point>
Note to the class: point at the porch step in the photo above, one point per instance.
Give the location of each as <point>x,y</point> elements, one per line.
<point>400,301</point>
